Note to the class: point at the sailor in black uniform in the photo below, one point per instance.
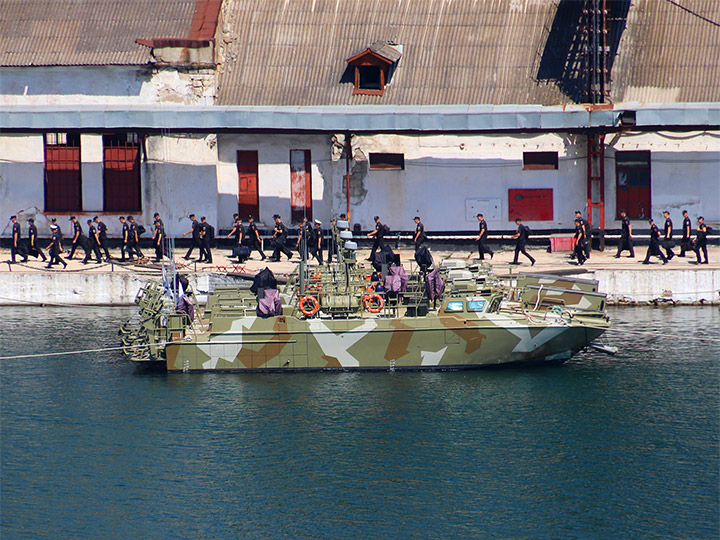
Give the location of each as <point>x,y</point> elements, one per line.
<point>158,239</point>
<point>134,239</point>
<point>205,239</point>
<point>580,241</point>
<point>686,230</point>
<point>667,242</point>
<point>482,238</point>
<point>195,231</point>
<point>238,231</point>
<point>419,237</point>
<point>124,239</point>
<point>701,241</point>
<point>102,236</point>
<point>332,244</point>
<point>303,237</point>
<point>16,247</point>
<point>33,248</point>
<point>654,247</point>
<point>586,231</point>
<point>78,238</point>
<point>279,236</point>
<point>93,243</point>
<point>625,236</point>
<point>55,246</point>
<point>253,236</point>
<point>521,235</point>
<point>316,240</point>
<point>379,235</point>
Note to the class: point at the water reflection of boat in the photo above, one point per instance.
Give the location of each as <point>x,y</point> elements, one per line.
<point>334,318</point>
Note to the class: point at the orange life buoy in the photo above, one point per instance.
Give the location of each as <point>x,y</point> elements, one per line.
<point>309,305</point>
<point>377,300</point>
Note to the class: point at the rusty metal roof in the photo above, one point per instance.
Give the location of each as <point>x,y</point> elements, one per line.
<point>88,32</point>
<point>669,54</point>
<point>279,52</point>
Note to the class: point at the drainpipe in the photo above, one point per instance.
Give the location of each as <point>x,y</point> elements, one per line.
<point>348,152</point>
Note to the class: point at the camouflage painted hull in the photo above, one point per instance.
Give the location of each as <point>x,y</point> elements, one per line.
<point>433,342</point>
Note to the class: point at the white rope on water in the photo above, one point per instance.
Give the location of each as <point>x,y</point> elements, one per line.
<point>81,351</point>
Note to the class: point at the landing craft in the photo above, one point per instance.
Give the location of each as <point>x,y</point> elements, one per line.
<point>334,318</point>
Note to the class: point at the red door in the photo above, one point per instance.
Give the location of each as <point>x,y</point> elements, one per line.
<point>62,178</point>
<point>248,201</point>
<point>300,185</point>
<point>632,169</point>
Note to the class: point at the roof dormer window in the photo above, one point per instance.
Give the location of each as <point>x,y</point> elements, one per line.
<point>373,68</point>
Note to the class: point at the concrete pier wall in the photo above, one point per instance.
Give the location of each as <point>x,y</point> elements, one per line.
<point>75,288</point>
<point>692,286</point>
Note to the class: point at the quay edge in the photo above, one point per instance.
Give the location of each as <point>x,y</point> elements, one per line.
<point>624,287</point>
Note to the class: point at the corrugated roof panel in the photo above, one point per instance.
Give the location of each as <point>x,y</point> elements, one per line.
<point>87,32</point>
<point>459,51</point>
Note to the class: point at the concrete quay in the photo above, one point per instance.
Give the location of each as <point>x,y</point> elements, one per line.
<point>626,281</point>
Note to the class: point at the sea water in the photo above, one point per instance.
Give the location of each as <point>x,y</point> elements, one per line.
<point>601,447</point>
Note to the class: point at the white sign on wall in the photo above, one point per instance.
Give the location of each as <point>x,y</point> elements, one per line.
<point>491,209</point>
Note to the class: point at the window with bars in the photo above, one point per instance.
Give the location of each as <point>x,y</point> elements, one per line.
<point>63,184</point>
<point>121,172</point>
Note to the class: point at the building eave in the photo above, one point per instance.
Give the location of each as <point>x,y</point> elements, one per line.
<point>380,118</point>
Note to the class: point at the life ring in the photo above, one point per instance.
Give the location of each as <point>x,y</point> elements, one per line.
<point>377,300</point>
<point>309,306</point>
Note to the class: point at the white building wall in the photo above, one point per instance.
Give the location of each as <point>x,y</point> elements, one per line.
<point>447,178</point>
<point>22,189</point>
<point>106,85</point>
<point>684,171</point>
<point>274,174</point>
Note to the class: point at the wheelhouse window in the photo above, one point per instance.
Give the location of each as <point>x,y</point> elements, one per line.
<point>63,183</point>
<point>387,162</point>
<point>540,160</point>
<point>121,172</point>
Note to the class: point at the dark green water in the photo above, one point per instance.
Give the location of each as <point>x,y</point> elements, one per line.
<point>623,447</point>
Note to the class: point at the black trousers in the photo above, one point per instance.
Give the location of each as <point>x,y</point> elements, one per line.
<point>256,246</point>
<point>580,253</point>
<point>685,246</point>
<point>520,248</point>
<point>36,252</point>
<point>667,246</point>
<point>654,249</point>
<point>133,248</point>
<point>331,250</point>
<point>701,246</point>
<point>280,246</point>
<point>19,250</point>
<point>80,242</point>
<point>379,243</point>
<point>626,243</point>
<point>93,247</point>
<point>195,244</point>
<point>159,251</point>
<point>205,253</point>
<point>315,252</point>
<point>55,258</point>
<point>103,246</point>
<point>482,248</point>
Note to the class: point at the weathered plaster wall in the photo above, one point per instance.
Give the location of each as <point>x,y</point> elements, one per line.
<point>107,85</point>
<point>685,173</point>
<point>274,173</point>
<point>178,176</point>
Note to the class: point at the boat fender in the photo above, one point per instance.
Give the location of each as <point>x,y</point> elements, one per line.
<point>374,303</point>
<point>309,305</point>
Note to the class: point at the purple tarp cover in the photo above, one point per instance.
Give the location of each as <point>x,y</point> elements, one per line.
<point>270,304</point>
